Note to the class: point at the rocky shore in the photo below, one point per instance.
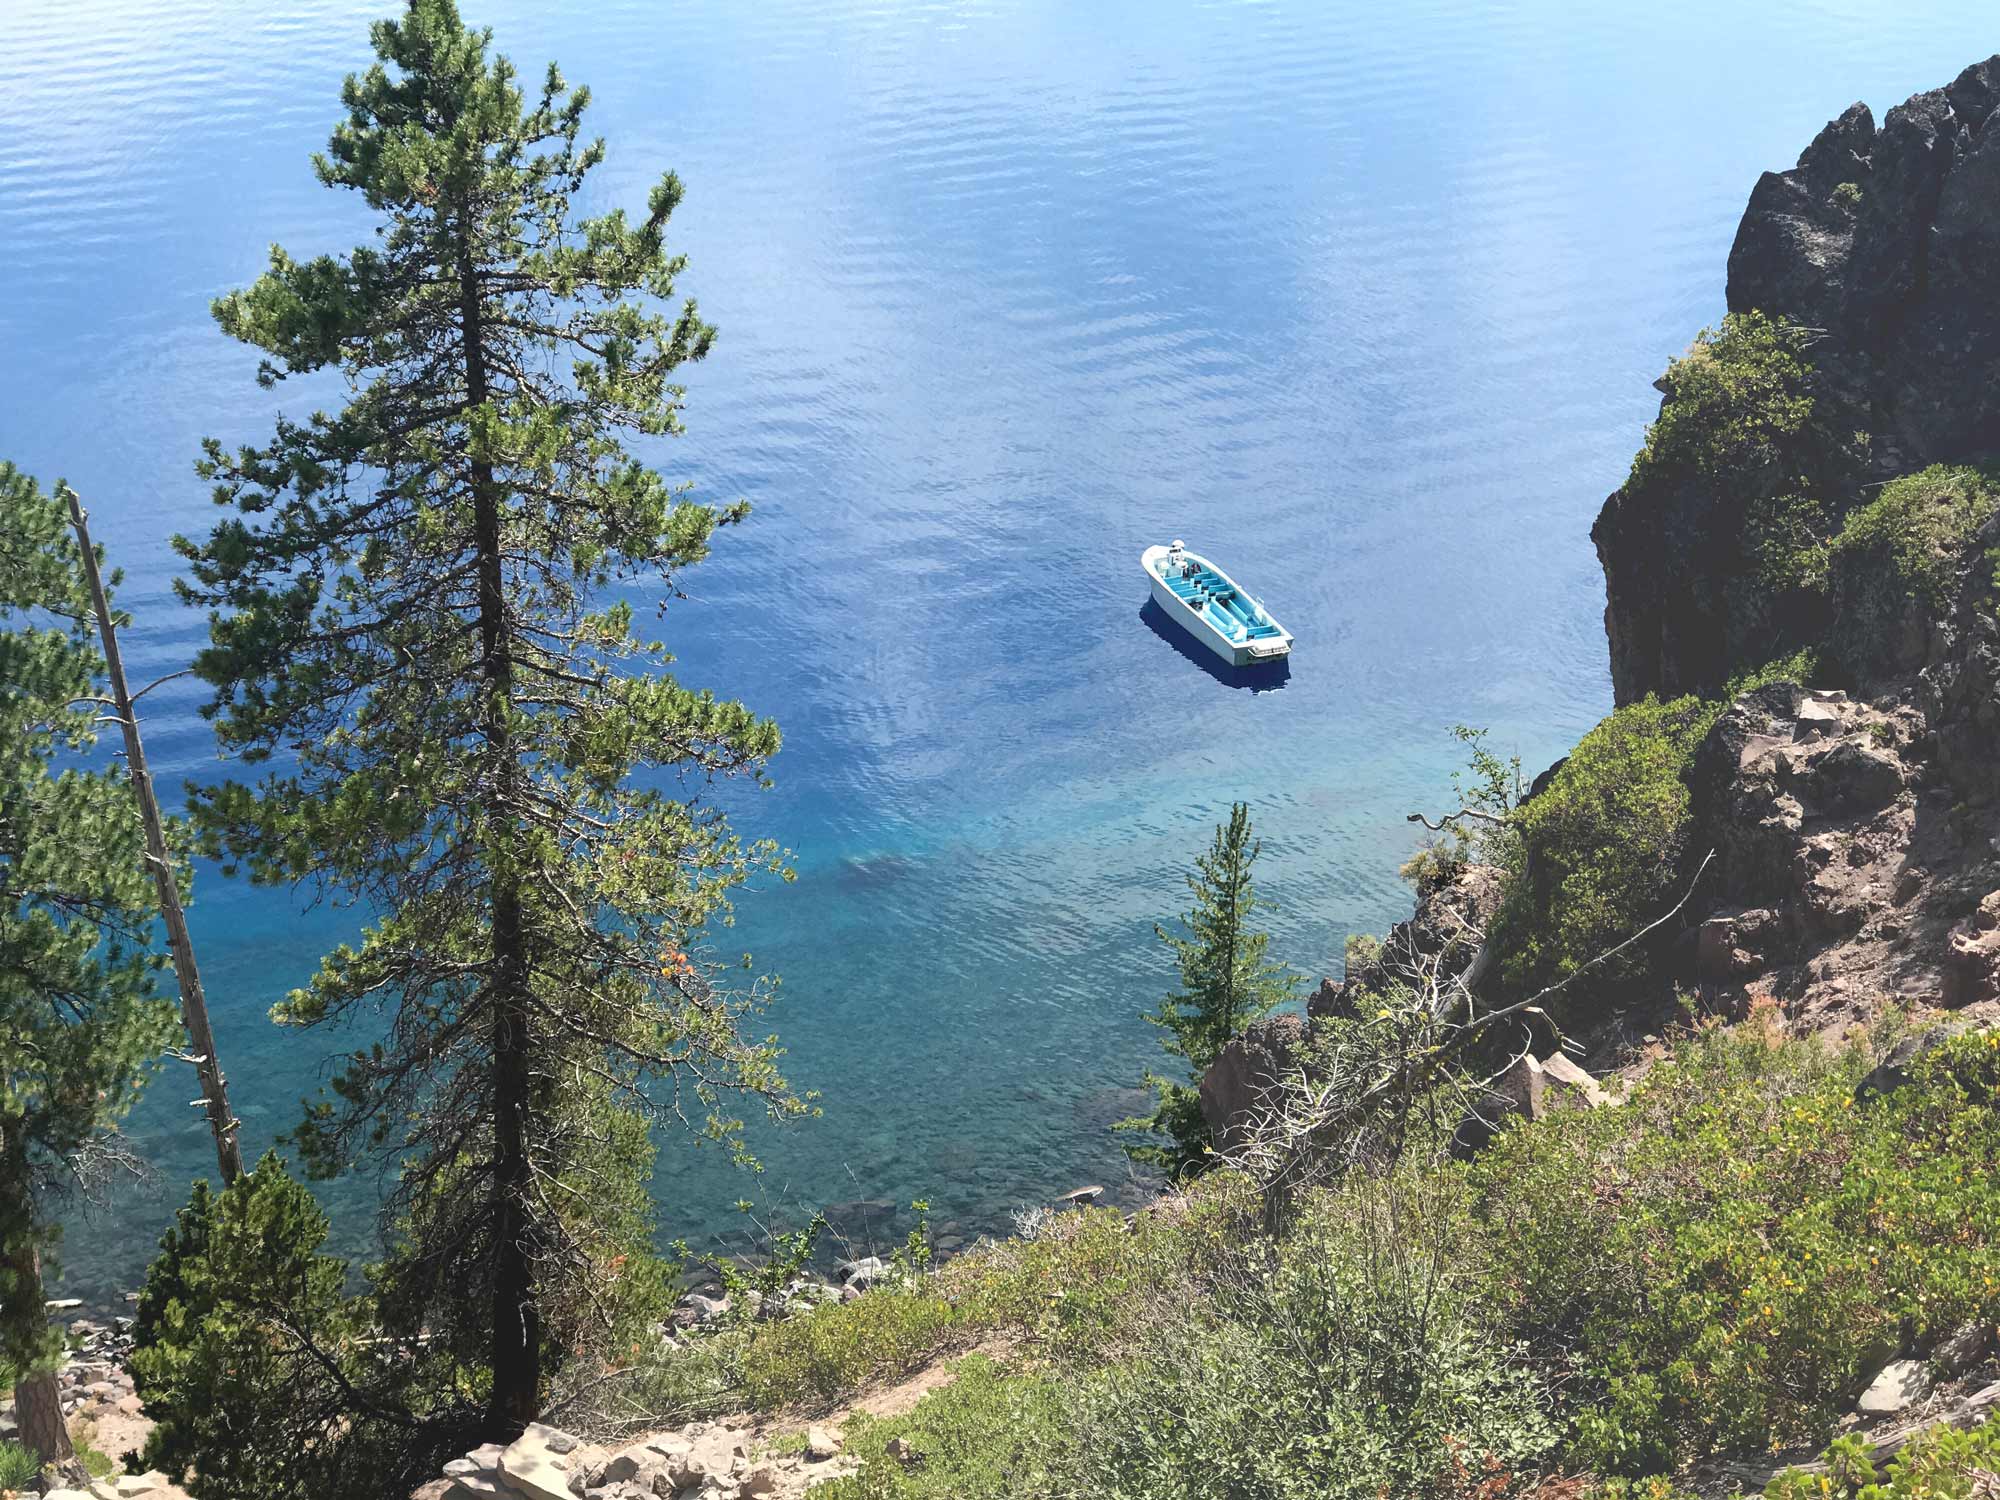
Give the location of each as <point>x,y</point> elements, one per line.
<point>99,1401</point>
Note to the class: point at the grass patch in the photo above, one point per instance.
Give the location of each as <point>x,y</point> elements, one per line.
<point>1067,1291</point>
<point>832,1350</point>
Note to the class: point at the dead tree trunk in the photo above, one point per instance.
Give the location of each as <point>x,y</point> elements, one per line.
<point>194,1005</point>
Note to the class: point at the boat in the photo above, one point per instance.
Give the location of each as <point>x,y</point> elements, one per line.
<point>1210,607</point>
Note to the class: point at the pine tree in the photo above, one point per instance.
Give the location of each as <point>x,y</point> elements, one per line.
<point>265,1378</point>
<point>79,1023</point>
<point>414,619</point>
<point>1226,983</point>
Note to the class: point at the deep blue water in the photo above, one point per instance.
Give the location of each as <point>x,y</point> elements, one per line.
<point>1364,300</point>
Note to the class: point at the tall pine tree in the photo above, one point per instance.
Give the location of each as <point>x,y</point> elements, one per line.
<point>415,621</point>
<point>1226,983</point>
<point>80,1025</point>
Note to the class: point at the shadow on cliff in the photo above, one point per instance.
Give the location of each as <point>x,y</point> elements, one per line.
<point>1260,677</point>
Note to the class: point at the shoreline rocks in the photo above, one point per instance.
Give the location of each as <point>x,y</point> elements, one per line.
<point>701,1461</point>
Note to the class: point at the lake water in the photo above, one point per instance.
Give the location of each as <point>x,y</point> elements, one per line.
<point>1364,300</point>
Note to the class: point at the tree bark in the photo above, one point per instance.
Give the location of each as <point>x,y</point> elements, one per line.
<point>517,1334</point>
<point>37,1395</point>
<point>38,1410</point>
<point>222,1123</point>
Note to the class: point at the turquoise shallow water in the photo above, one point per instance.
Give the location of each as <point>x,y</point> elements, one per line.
<point>1363,300</point>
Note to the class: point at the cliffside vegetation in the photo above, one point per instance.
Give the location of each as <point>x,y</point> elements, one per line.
<point>1713,1266</point>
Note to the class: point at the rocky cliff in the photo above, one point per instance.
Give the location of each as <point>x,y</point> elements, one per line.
<point>1884,243</point>
<point>1853,805</point>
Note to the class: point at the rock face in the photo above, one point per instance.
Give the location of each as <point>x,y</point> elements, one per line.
<point>1237,1084</point>
<point>1851,868</point>
<point>1887,239</point>
<point>1448,925</point>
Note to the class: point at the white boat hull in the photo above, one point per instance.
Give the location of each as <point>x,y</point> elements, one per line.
<point>1204,625</point>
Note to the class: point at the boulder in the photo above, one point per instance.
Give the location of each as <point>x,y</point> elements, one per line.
<point>639,1463</point>
<point>1733,946</point>
<point>862,1273</point>
<point>1972,957</point>
<point>822,1444</point>
<point>1961,1349</point>
<point>1240,1080</point>
<point>695,1308</point>
<point>538,1464</point>
<point>1534,1087</point>
<point>1853,776</point>
<point>715,1454</point>
<point>1520,1090</point>
<point>1893,1071</point>
<point>1897,1385</point>
<point>1570,1083</point>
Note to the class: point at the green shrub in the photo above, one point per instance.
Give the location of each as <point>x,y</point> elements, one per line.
<point>19,1467</point>
<point>1602,851</point>
<point>1602,846</point>
<point>1943,1463</point>
<point>1847,195</point>
<point>1908,547</point>
<point>267,1381</point>
<point>989,1435</point>
<point>1921,526</point>
<point>1736,402</point>
<point>1343,1363</point>
<point>1719,1262</point>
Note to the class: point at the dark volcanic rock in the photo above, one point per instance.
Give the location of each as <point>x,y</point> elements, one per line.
<point>1239,1082</point>
<point>1887,240</point>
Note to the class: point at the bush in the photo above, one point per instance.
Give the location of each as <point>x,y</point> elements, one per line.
<point>267,1381</point>
<point>1944,1463</point>
<point>19,1468</point>
<point>1601,847</point>
<point>1347,1361</point>
<point>1737,402</point>
<point>1717,1263</point>
<point>1900,557</point>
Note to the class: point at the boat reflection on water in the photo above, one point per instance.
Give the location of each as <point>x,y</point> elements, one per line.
<point>1258,677</point>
